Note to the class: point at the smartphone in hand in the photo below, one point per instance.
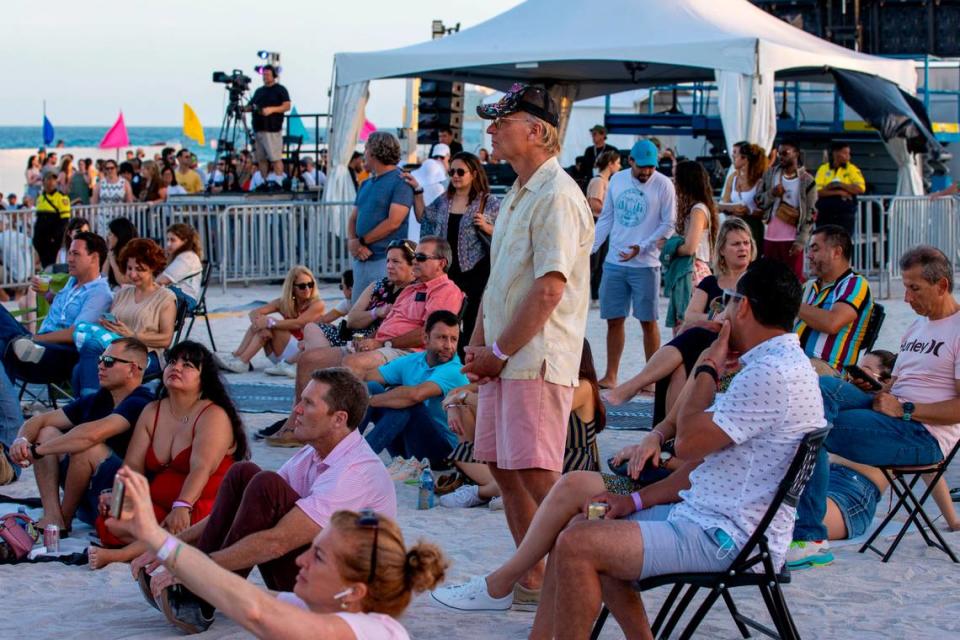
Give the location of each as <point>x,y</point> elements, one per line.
<point>109,317</point>
<point>116,506</point>
<point>857,373</point>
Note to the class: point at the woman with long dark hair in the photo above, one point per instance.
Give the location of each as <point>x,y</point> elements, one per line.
<point>184,272</point>
<point>184,442</point>
<point>739,197</point>
<point>464,216</point>
<point>74,226</point>
<point>120,231</point>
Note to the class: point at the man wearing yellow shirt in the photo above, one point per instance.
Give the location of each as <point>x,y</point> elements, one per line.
<point>839,182</point>
<point>53,213</point>
<point>186,176</point>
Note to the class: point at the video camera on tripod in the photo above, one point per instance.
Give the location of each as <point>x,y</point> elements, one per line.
<point>237,84</point>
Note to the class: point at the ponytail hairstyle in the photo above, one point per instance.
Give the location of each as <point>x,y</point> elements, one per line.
<point>400,572</point>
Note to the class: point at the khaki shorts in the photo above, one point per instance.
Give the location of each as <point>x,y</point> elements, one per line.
<point>268,146</point>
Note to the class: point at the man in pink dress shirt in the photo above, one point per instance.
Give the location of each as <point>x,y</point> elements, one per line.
<point>266,518</point>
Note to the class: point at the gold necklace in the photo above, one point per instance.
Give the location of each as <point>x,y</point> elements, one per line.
<point>186,417</point>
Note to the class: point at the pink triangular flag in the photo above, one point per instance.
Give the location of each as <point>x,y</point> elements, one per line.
<point>367,128</point>
<point>117,135</point>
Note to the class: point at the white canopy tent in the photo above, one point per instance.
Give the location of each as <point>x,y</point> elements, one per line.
<point>581,50</point>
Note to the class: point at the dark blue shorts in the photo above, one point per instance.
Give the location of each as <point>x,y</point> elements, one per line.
<point>102,479</point>
<point>856,497</point>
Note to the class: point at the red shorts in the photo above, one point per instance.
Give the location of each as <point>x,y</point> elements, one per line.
<point>522,424</point>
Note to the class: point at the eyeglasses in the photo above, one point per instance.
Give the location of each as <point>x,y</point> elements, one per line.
<point>422,257</point>
<point>729,296</point>
<point>457,172</point>
<point>303,286</point>
<point>368,519</point>
<point>498,122</point>
<point>109,361</point>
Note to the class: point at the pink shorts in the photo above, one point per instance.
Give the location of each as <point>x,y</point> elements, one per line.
<point>522,424</point>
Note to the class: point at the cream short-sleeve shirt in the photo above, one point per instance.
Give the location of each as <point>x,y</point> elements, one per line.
<point>544,226</point>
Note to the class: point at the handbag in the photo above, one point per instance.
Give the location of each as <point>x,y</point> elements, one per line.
<point>785,212</point>
<point>483,236</point>
<point>16,541</point>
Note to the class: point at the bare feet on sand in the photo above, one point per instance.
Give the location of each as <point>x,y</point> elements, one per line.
<point>100,557</point>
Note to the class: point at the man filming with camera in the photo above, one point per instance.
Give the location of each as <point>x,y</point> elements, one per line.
<point>268,105</point>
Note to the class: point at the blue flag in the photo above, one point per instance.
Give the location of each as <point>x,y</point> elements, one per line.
<point>47,130</point>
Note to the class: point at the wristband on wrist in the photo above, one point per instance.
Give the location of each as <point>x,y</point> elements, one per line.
<point>712,372</point>
<point>271,323</point>
<point>418,191</point>
<point>710,362</point>
<point>182,503</point>
<point>637,501</point>
<point>659,435</point>
<point>499,354</point>
<point>373,314</point>
<point>167,548</point>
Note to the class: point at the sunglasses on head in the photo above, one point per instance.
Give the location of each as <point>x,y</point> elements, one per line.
<point>368,519</point>
<point>457,172</point>
<point>422,257</point>
<point>109,361</point>
<point>303,286</point>
<point>407,246</point>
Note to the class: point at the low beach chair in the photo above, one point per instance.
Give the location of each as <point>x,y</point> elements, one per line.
<point>199,310</point>
<point>902,481</point>
<point>752,567</point>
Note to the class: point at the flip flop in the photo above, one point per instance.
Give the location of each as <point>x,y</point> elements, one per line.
<point>184,610</point>
<point>143,580</point>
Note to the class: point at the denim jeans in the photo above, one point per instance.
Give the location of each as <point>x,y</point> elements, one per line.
<point>365,272</point>
<point>10,415</point>
<point>862,435</point>
<point>411,431</point>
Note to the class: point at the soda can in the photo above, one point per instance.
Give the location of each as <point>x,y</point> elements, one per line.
<point>51,538</point>
<point>596,510</point>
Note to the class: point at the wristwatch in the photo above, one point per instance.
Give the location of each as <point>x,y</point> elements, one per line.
<point>33,452</point>
<point>908,409</point>
<point>418,191</point>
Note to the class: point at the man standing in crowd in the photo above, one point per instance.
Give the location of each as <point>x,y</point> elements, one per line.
<point>446,137</point>
<point>788,196</point>
<point>406,396</point>
<point>380,213</point>
<point>913,420</point>
<point>639,212</point>
<point>836,304</point>
<point>268,105</point>
<point>269,518</point>
<point>747,437</point>
<point>526,351</point>
<point>591,153</point>
<point>186,176</point>
<point>839,182</point>
<point>81,446</point>
<point>53,213</point>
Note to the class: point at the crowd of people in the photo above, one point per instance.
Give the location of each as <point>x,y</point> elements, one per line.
<point>464,350</point>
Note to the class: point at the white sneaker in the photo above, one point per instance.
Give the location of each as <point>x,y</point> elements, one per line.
<point>471,596</point>
<point>282,368</point>
<point>27,350</point>
<point>464,497</point>
<point>233,364</point>
<point>496,504</point>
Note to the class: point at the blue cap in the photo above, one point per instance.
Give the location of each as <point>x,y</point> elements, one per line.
<point>645,154</point>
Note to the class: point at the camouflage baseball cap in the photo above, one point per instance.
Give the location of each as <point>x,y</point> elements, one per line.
<point>521,97</point>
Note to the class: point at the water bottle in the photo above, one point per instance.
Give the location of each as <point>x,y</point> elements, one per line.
<point>425,497</point>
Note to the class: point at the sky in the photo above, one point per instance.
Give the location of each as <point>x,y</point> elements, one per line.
<point>90,59</point>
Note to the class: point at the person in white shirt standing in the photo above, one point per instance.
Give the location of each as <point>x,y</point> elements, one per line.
<point>639,212</point>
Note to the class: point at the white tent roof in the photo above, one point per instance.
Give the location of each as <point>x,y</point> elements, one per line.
<point>588,44</point>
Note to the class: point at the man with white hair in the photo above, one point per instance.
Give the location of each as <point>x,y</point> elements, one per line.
<point>312,175</point>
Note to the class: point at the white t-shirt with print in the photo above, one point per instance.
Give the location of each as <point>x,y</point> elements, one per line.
<point>365,626</point>
<point>770,405</point>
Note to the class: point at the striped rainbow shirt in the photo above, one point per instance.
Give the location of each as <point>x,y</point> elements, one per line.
<point>841,348</point>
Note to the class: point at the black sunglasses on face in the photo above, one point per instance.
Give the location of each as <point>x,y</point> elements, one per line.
<point>109,361</point>
<point>303,286</point>
<point>368,519</point>
<point>422,257</point>
<point>457,172</point>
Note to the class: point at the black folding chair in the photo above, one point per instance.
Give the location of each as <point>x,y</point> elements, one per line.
<point>199,310</point>
<point>902,481</point>
<point>754,555</point>
<point>872,332</point>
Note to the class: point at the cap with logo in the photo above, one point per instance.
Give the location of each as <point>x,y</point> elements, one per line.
<point>533,100</point>
<point>644,154</point>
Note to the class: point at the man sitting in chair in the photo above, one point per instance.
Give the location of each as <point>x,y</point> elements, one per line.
<point>911,420</point>
<point>746,438</point>
<point>81,446</point>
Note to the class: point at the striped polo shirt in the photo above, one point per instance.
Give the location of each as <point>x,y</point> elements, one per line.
<point>841,348</point>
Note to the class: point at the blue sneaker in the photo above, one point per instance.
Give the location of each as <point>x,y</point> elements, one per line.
<point>803,554</point>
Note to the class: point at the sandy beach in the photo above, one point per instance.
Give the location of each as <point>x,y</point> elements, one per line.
<point>912,596</point>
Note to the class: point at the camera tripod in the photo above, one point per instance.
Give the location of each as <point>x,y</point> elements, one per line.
<point>234,125</point>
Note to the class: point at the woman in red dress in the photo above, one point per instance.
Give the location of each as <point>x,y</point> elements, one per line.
<point>184,442</point>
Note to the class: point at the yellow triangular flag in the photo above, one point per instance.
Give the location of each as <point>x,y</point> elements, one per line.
<point>191,125</point>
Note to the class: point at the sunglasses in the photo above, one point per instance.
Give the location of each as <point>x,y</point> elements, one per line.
<point>422,257</point>
<point>729,296</point>
<point>303,286</point>
<point>368,519</point>
<point>457,172</point>
<point>407,246</point>
<point>109,361</point>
